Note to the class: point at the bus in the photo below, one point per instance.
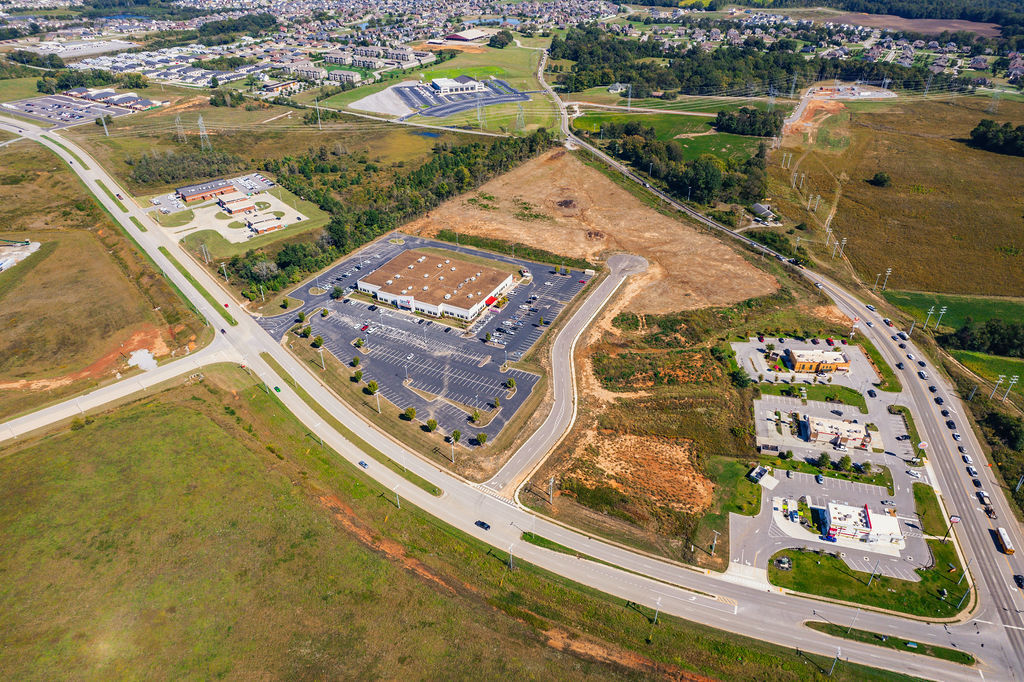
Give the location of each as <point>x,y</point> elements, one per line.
<point>1004,541</point>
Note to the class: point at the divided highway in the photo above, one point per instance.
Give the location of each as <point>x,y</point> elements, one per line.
<point>735,606</point>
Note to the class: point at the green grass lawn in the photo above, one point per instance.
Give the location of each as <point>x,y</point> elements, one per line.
<point>822,392</point>
<point>959,308</point>
<point>893,642</point>
<point>991,366</point>
<point>828,576</point>
<point>736,494</point>
<point>722,145</point>
<point>666,126</point>
<point>199,287</point>
<point>177,219</point>
<point>248,550</point>
<point>933,522</point>
<point>18,88</point>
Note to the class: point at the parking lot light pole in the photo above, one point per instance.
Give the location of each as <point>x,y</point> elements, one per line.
<point>714,543</point>
<point>377,393</point>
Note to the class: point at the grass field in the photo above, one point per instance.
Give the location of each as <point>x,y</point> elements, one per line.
<point>958,308</point>
<point>991,366</point>
<point>932,520</point>
<point>87,296</point>
<point>841,394</point>
<point>18,88</point>
<point>828,576</point>
<point>893,642</point>
<point>199,287</point>
<point>666,126</point>
<point>290,563</point>
<point>942,190</point>
<point>600,95</point>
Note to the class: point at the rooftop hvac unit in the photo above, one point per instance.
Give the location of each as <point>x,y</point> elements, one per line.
<point>421,259</point>
<point>447,296</point>
<point>441,278</point>
<point>424,288</point>
<point>472,279</point>
<point>446,261</point>
<point>398,276</point>
<point>425,275</point>
<point>390,281</point>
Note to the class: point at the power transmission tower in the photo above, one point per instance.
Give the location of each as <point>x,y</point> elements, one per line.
<point>521,120</point>
<point>928,84</point>
<point>994,106</point>
<point>771,97</point>
<point>105,131</point>
<point>180,132</point>
<point>204,139</point>
<point>792,88</point>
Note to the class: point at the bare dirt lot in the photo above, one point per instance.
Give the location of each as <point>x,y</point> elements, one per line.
<point>929,26</point>
<point>816,111</point>
<point>581,213</point>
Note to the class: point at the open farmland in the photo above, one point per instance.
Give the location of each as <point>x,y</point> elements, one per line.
<point>74,311</point>
<point>958,308</point>
<point>952,216</point>
<point>281,564</point>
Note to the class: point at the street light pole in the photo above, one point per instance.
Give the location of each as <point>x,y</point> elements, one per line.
<point>714,542</point>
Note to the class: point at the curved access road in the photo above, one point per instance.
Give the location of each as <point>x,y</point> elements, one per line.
<point>715,600</point>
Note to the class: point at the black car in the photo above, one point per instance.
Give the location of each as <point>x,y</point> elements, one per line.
<point>939,400</point>
<point>945,413</point>
<point>951,424</point>
<point>976,482</point>
<point>961,449</point>
<point>932,388</point>
<point>1019,579</point>
<point>920,363</point>
<point>902,345</point>
<point>484,525</point>
<point>871,392</point>
<point>899,365</point>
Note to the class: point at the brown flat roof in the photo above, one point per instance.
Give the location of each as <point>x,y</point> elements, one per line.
<point>410,271</point>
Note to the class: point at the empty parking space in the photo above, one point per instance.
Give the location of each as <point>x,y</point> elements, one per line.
<point>428,102</point>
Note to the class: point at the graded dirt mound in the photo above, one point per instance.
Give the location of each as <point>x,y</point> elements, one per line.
<point>579,212</point>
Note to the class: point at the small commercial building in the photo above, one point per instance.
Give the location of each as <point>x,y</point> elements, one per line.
<point>470,34</point>
<point>815,361</point>
<point>837,432</point>
<point>460,84</point>
<point>436,285</point>
<point>204,190</point>
<point>860,524</point>
<point>263,223</point>
<point>235,202</point>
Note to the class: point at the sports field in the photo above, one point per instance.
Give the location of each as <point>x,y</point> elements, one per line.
<point>73,312</point>
<point>248,551</point>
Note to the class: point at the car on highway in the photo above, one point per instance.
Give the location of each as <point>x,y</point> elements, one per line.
<point>364,464</point>
<point>899,365</point>
<point>976,482</point>
<point>972,472</point>
<point>923,375</point>
<point>888,322</point>
<point>961,449</point>
<point>956,437</point>
<point>902,345</point>
<point>910,356</point>
<point>870,307</point>
<point>945,413</point>
<point>1019,580</point>
<point>951,424</point>
<point>920,363</point>
<point>968,460</point>
<point>870,323</point>
<point>932,388</point>
<point>939,400</point>
<point>983,497</point>
<point>483,524</point>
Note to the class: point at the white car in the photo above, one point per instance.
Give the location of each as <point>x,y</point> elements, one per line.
<point>913,474</point>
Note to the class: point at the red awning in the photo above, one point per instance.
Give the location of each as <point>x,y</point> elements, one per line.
<point>490,300</point>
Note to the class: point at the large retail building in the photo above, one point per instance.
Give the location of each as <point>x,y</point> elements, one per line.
<point>436,285</point>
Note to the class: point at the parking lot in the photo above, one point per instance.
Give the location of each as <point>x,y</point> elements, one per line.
<point>427,102</point>
<point>64,111</point>
<point>253,183</point>
<point>406,353</point>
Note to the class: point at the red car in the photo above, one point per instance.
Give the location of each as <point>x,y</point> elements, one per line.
<point>364,327</point>
<point>583,281</point>
<point>830,342</point>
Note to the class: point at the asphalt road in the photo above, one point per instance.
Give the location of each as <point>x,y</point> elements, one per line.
<point>716,600</point>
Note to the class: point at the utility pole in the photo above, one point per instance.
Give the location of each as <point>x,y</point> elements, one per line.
<point>511,565</point>
<point>629,97</point>
<point>316,104</point>
<point>842,247</point>
<point>912,324</point>
<point>963,597</point>
<point>802,176</point>
<point>973,391</point>
<point>377,393</point>
<point>715,542</point>
<point>873,570</point>
<point>877,277</point>
<point>888,271</point>
<point>204,139</point>
<point>1013,380</point>
<point>551,489</point>
<point>225,270</point>
<point>931,311</point>
<point>942,311</point>
<point>453,450</point>
<point>398,502</point>
<point>834,661</point>
<point>994,388</point>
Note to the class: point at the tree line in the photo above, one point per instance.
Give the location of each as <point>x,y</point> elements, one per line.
<point>706,179</point>
<point>1004,139</point>
<point>47,61</point>
<point>994,337</point>
<point>65,79</point>
<point>371,208</point>
<point>749,121</point>
<point>602,59</point>
<point>160,168</point>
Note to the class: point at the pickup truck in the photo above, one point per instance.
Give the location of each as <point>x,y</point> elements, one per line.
<point>984,498</point>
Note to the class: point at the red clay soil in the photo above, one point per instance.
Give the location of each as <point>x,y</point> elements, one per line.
<point>149,337</point>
